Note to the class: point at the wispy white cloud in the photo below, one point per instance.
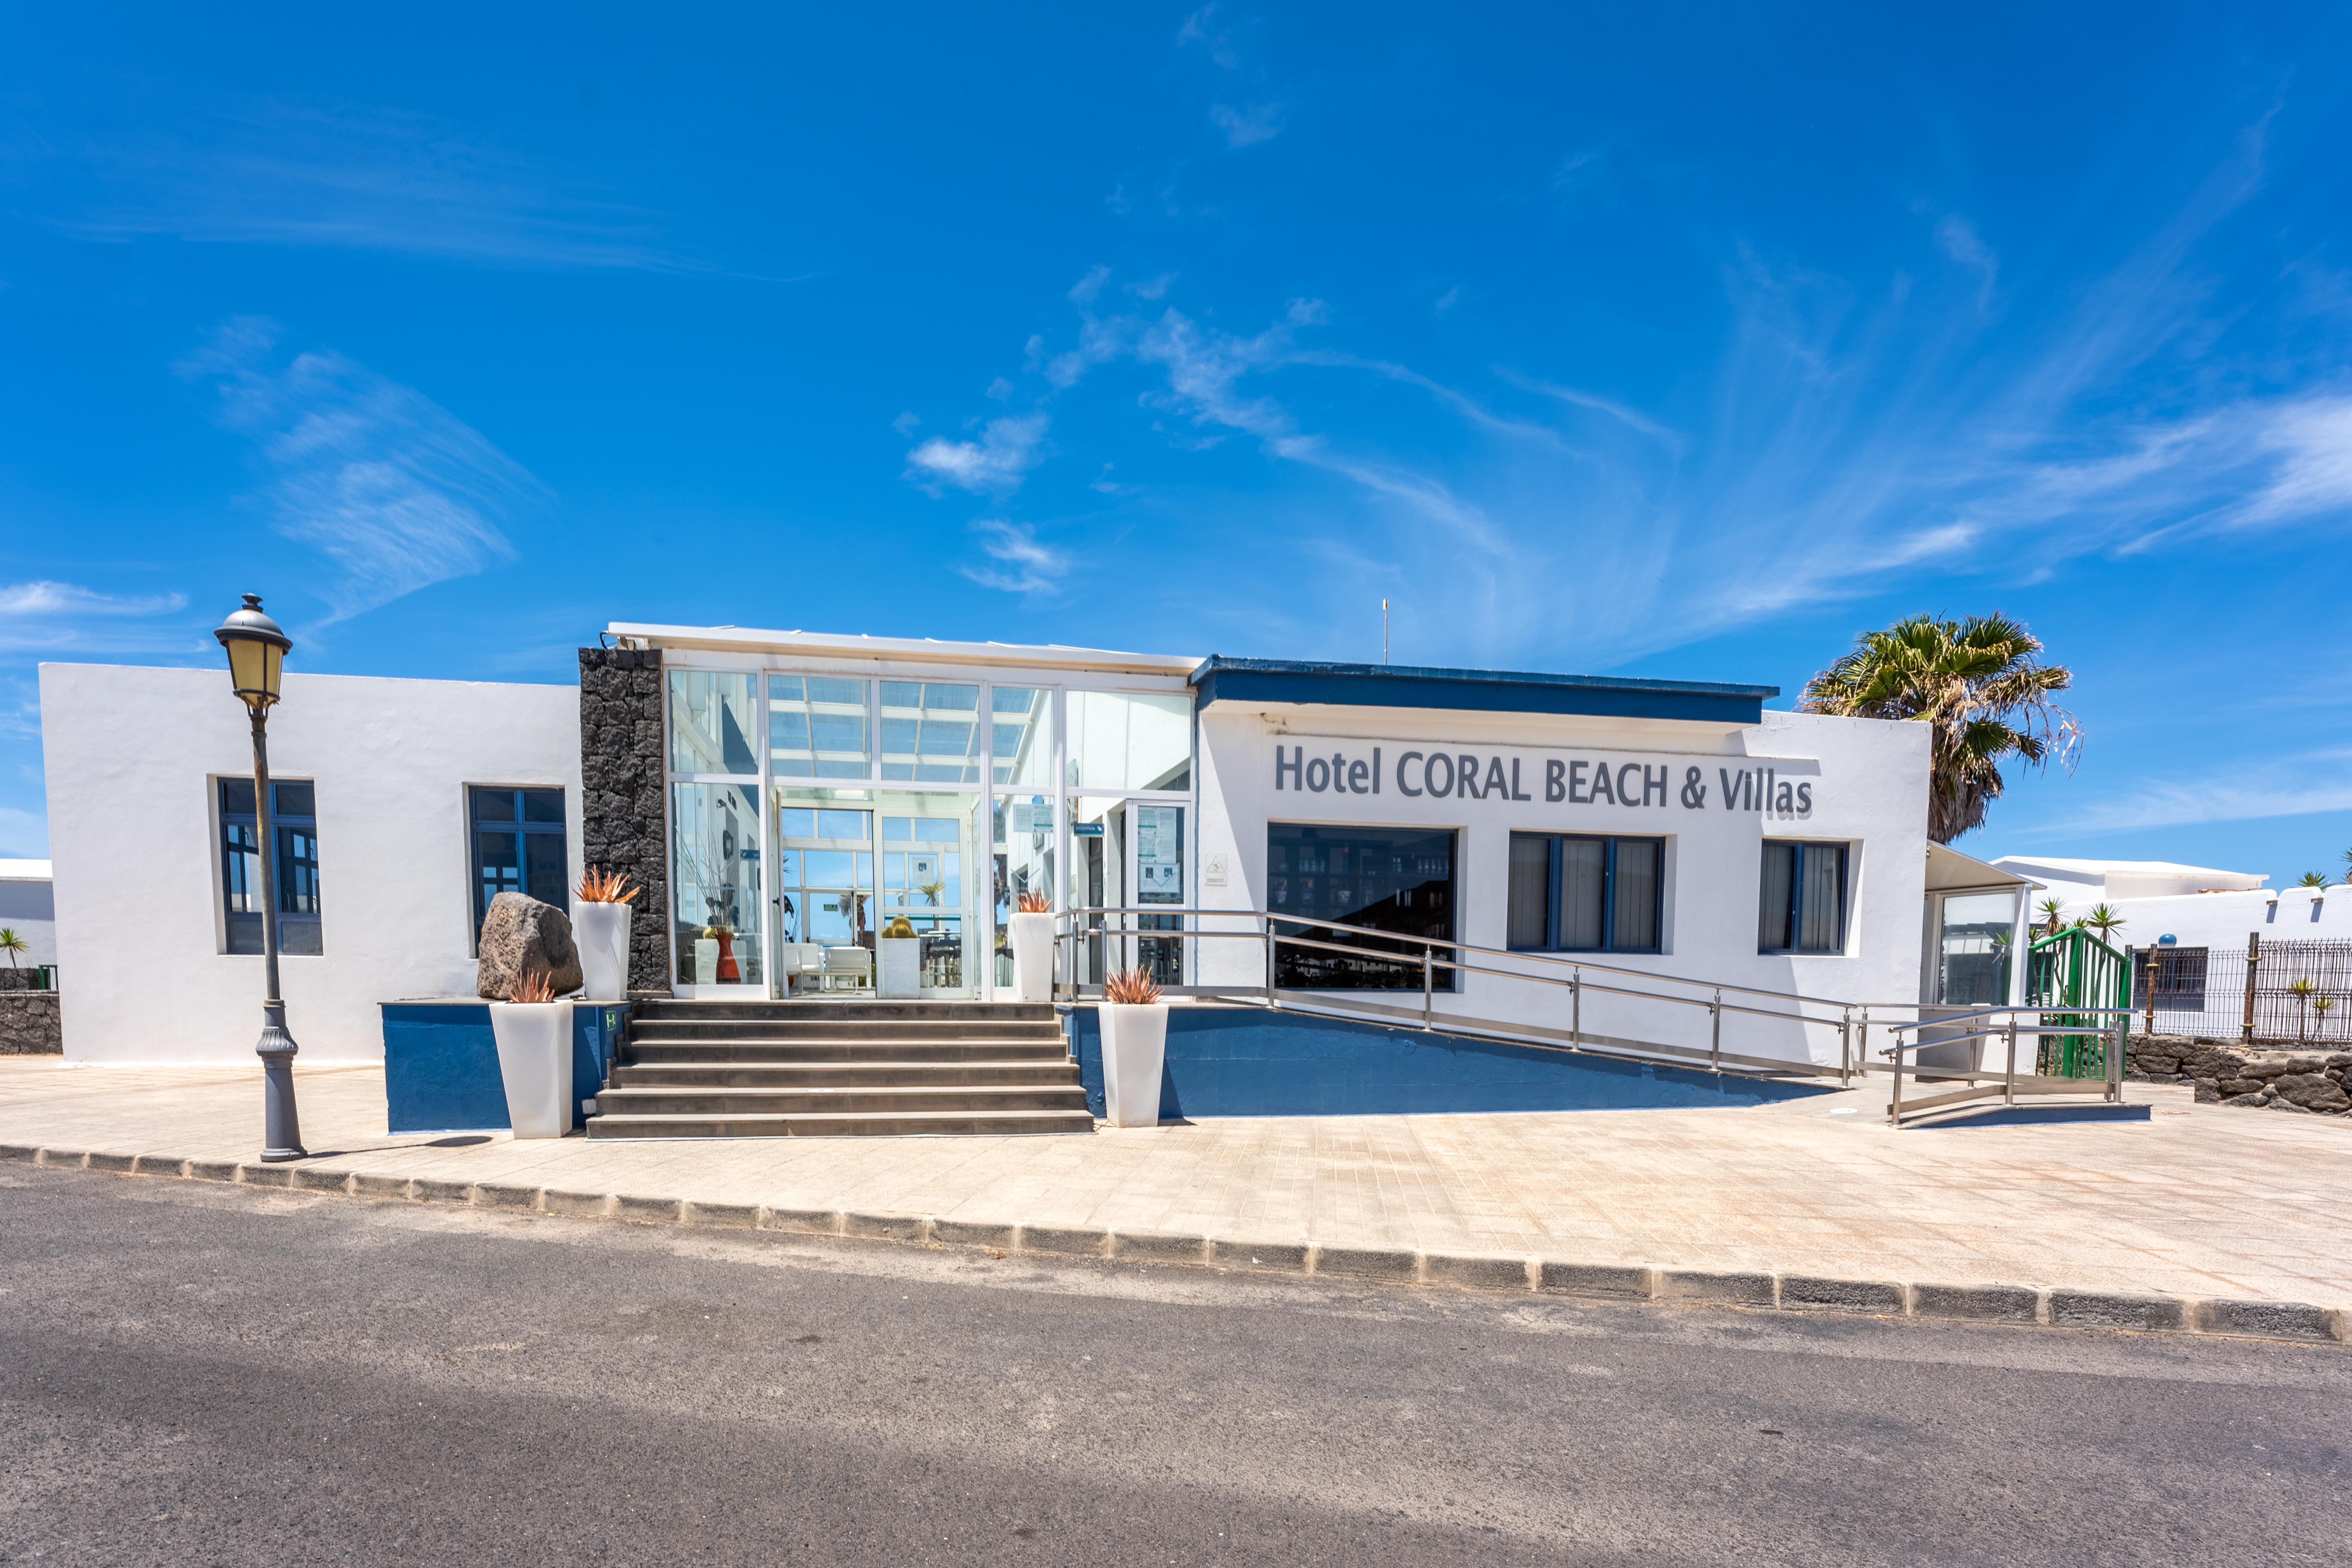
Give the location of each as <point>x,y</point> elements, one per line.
<point>1023,563</point>
<point>1958,240</point>
<point>1007,449</point>
<point>1248,125</point>
<point>277,173</point>
<point>2299,786</point>
<point>42,616</point>
<point>395,489</point>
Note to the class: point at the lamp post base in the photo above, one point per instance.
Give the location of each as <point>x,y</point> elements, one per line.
<point>281,1129</point>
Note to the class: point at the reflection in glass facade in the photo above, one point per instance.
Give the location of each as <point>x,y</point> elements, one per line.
<point>816,728</point>
<point>1021,745</point>
<point>714,877</point>
<point>295,824</point>
<point>1126,739</point>
<point>1973,953</point>
<point>1801,899</point>
<point>711,724</point>
<point>1397,879</point>
<point>931,732</point>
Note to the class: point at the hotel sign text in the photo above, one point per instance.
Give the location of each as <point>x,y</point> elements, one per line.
<point>1572,780</point>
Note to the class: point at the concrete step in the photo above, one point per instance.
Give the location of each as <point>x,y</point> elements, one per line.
<point>662,1051</point>
<point>896,1125</point>
<point>993,1073</point>
<point>669,1028</point>
<point>863,1099</point>
<point>1019,1012</point>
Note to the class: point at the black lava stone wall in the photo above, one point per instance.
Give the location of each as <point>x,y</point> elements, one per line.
<point>622,778</point>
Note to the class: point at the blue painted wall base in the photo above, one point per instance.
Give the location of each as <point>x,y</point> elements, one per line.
<point>441,1063</point>
<point>1249,1061</point>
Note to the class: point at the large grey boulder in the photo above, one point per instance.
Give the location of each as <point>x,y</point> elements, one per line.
<point>522,936</point>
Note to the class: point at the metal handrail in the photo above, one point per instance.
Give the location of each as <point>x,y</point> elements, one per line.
<point>2117,1042</point>
<point>1574,981</point>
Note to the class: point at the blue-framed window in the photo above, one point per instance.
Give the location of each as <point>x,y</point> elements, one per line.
<point>294,816</point>
<point>1572,892</point>
<point>518,846</point>
<point>1801,906</point>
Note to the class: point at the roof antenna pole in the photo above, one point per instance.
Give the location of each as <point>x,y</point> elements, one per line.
<point>1384,631</point>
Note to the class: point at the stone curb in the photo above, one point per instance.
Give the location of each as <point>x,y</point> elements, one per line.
<point>2024,1305</point>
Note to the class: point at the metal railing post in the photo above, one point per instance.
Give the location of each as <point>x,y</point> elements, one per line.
<point>1861,1046</point>
<point>1845,1050</point>
<point>1714,1041</point>
<point>2009,1080</point>
<point>1428,989</point>
<point>1576,1006</point>
<point>2115,1056</point>
<point>2253,961</point>
<point>1895,1104</point>
<point>1271,1000</point>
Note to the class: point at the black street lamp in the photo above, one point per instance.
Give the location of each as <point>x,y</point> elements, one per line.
<point>256,659</point>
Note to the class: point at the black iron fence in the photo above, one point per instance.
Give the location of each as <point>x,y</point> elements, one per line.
<point>2270,993</point>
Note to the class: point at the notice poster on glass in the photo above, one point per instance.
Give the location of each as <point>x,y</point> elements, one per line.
<point>1159,854</point>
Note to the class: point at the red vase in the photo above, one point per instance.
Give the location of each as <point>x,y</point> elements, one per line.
<point>727,969</point>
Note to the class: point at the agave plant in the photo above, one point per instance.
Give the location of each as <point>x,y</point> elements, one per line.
<point>1130,988</point>
<point>605,888</point>
<point>533,985</point>
<point>1033,902</point>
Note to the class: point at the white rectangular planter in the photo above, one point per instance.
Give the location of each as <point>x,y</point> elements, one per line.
<point>1033,957</point>
<point>901,971</point>
<point>1134,1054</point>
<point>535,1063</point>
<point>602,932</point>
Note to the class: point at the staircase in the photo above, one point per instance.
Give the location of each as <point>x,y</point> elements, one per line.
<point>798,1069</point>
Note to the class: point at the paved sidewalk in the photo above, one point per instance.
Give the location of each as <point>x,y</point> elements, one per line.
<point>2199,1202</point>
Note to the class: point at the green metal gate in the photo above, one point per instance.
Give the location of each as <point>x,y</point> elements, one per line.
<point>2075,969</point>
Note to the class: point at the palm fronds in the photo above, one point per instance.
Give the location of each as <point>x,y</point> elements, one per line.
<point>1977,684</point>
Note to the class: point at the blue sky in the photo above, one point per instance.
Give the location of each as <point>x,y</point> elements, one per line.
<point>1668,342</point>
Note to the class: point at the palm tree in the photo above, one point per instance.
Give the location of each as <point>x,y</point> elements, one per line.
<point>2312,879</point>
<point>12,944</point>
<point>1978,683</point>
<point>2053,912</point>
<point>2104,919</point>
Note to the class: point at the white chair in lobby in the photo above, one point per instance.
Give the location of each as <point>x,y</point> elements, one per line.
<point>853,964</point>
<point>803,963</point>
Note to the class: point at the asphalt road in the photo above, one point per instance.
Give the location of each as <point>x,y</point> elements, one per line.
<point>191,1373</point>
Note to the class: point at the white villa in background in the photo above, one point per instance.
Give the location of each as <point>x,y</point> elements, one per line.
<point>2185,906</point>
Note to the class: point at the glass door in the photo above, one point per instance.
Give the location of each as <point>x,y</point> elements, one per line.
<point>824,893</point>
<point>930,891</point>
<point>1156,871</point>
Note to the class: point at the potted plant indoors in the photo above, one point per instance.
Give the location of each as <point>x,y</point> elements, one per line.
<point>898,968</point>
<point>1134,1047</point>
<point>1033,947</point>
<point>534,1031</point>
<point>600,924</point>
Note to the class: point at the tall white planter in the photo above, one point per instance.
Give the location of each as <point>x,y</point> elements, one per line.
<point>602,932</point>
<point>535,1062</point>
<point>1033,957</point>
<point>1134,1054</point>
<point>899,971</point>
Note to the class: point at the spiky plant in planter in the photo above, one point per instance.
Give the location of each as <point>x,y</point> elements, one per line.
<point>597,887</point>
<point>1033,902</point>
<point>1130,988</point>
<point>531,985</point>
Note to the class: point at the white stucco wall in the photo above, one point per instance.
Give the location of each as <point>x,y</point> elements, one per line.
<point>1868,789</point>
<point>2220,921</point>
<point>133,755</point>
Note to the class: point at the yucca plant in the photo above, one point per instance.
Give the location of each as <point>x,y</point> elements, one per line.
<point>2104,919</point>
<point>533,985</point>
<point>605,888</point>
<point>2320,1004</point>
<point>2053,912</point>
<point>2312,879</point>
<point>2302,991</point>
<point>1130,988</point>
<point>12,944</point>
<point>1033,902</point>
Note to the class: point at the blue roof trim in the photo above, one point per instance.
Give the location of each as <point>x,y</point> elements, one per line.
<point>1221,680</point>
